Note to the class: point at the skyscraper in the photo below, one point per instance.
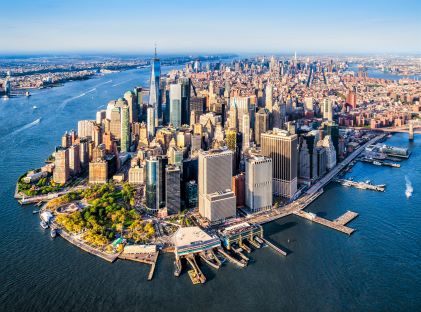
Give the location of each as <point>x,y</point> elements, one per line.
<point>281,146</point>
<point>61,166</point>
<point>185,100</point>
<point>261,124</point>
<point>125,129</point>
<point>246,132</point>
<point>269,97</point>
<point>150,123</point>
<point>130,97</point>
<point>115,123</point>
<point>327,109</point>
<point>172,189</point>
<point>258,183</point>
<point>175,104</point>
<point>154,96</point>
<point>216,200</point>
<point>152,184</point>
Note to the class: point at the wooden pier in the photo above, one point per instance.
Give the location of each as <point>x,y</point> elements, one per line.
<point>147,258</point>
<point>241,264</point>
<point>338,224</point>
<point>274,247</point>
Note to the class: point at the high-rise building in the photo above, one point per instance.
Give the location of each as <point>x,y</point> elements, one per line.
<point>154,95</point>
<point>198,104</point>
<point>261,124</point>
<point>281,146</point>
<point>327,109</point>
<point>131,100</point>
<point>150,125</point>
<point>175,104</point>
<point>269,97</point>
<point>304,164</point>
<point>61,166</point>
<point>115,123</point>
<point>231,139</point>
<point>152,184</point>
<point>330,152</point>
<point>84,154</point>
<point>258,183</point>
<point>100,116</point>
<point>246,132</point>
<point>137,175</point>
<point>74,159</point>
<point>172,186</point>
<point>216,200</point>
<point>185,100</point>
<point>125,129</point>
<point>332,129</point>
<point>85,128</point>
<point>98,171</point>
<point>238,187</point>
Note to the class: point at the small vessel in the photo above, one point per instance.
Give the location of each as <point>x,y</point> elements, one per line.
<point>34,107</point>
<point>44,225</point>
<point>377,163</point>
<point>53,233</point>
<point>27,93</point>
<point>35,211</point>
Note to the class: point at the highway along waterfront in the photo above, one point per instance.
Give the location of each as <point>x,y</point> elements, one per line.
<point>325,270</point>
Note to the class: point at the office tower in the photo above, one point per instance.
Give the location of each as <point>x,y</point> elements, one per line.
<point>110,106</point>
<point>191,194</point>
<point>162,164</point>
<point>216,200</point>
<point>131,100</point>
<point>98,171</point>
<point>61,166</point>
<point>175,105</point>
<point>125,129</point>
<point>246,132</point>
<point>196,142</point>
<point>231,139</point>
<point>261,124</point>
<point>281,146</point>
<point>100,116</point>
<point>151,122</point>
<point>115,123</point>
<point>330,152</point>
<point>304,164</point>
<point>84,154</point>
<point>242,105</point>
<point>138,92</point>
<point>327,109</point>
<point>258,183</point>
<point>238,187</point>
<point>172,186</point>
<point>276,116</point>
<point>233,117</point>
<point>185,100</point>
<point>321,161</point>
<point>332,129</point>
<point>198,104</point>
<point>154,96</point>
<point>74,159</point>
<point>152,184</point>
<point>269,97</point>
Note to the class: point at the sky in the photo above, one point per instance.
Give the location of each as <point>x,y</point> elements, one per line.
<point>210,26</point>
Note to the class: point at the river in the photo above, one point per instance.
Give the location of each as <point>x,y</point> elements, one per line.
<point>376,269</point>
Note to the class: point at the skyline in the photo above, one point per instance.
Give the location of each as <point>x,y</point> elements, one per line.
<point>190,27</point>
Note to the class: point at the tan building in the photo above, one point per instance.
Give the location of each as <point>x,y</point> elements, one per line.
<point>137,175</point>
<point>98,171</point>
<point>61,166</point>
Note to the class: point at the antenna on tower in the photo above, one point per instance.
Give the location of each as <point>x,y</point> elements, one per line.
<point>155,48</point>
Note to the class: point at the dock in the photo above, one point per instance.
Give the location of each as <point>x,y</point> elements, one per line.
<point>338,224</point>
<point>276,248</point>
<point>195,274</point>
<point>147,258</point>
<point>241,264</point>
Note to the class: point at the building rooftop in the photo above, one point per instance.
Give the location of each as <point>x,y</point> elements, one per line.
<point>190,236</point>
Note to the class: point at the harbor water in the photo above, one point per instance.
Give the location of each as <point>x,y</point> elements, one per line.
<point>378,268</point>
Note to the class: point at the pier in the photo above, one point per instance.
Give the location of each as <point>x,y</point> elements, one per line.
<point>147,258</point>
<point>274,247</point>
<point>361,185</point>
<point>241,264</point>
<point>338,224</point>
<point>196,276</point>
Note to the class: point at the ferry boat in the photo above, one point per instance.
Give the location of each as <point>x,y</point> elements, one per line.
<point>53,233</point>
<point>44,225</point>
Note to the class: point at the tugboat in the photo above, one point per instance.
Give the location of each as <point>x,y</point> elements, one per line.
<point>53,233</point>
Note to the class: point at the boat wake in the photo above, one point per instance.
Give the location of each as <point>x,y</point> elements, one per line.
<point>103,83</point>
<point>120,83</point>
<point>409,189</point>
<point>64,103</point>
<point>27,126</point>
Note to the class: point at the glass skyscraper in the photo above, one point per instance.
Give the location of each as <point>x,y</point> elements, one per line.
<point>154,96</point>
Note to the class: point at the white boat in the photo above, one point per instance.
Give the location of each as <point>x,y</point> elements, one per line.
<point>34,107</point>
<point>377,163</point>
<point>44,225</point>
<point>53,233</point>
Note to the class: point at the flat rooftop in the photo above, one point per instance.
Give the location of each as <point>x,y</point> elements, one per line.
<point>190,236</point>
